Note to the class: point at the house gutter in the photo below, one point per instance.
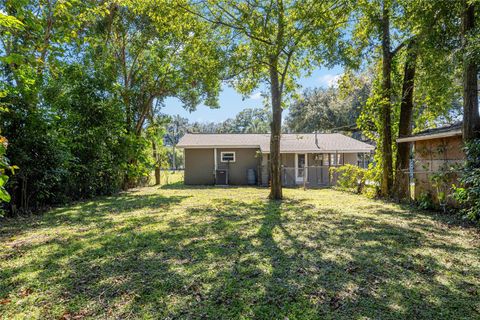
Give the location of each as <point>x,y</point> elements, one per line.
<point>431,136</point>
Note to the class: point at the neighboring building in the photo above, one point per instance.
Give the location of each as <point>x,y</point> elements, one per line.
<point>241,159</point>
<point>436,153</point>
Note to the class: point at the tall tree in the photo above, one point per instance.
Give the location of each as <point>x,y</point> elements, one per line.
<point>152,50</point>
<point>386,101</point>
<point>249,120</point>
<point>383,25</point>
<point>471,118</point>
<point>405,122</point>
<point>329,109</point>
<point>273,42</point>
<point>176,128</point>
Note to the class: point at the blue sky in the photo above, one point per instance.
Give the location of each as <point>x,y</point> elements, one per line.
<point>231,102</point>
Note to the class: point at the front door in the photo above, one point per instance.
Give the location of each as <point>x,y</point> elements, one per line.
<point>300,164</point>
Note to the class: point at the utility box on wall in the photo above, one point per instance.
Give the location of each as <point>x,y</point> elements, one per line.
<point>221,176</point>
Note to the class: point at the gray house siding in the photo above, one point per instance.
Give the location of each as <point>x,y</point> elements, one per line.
<point>245,158</point>
<point>199,166</point>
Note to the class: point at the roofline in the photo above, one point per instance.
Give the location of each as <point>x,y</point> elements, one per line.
<point>196,146</point>
<point>326,151</point>
<point>267,134</point>
<point>431,136</point>
<point>289,151</point>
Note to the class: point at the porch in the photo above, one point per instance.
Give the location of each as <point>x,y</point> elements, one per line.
<point>311,169</point>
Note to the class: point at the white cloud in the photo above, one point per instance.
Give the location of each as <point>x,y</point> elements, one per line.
<point>329,80</point>
<point>256,96</point>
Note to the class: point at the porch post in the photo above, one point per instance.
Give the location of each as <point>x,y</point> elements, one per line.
<point>215,164</point>
<point>329,165</point>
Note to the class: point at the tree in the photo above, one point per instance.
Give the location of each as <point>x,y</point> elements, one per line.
<point>471,118</point>
<point>32,46</point>
<point>7,24</point>
<point>405,122</point>
<point>331,109</point>
<point>273,42</point>
<point>389,26</point>
<point>151,49</point>
<point>249,120</point>
<point>176,128</point>
<point>83,82</point>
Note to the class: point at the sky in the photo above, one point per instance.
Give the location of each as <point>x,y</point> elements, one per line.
<point>231,102</point>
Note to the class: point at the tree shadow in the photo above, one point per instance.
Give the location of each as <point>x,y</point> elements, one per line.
<point>232,259</point>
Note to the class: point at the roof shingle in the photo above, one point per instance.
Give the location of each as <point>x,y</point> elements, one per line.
<point>304,142</point>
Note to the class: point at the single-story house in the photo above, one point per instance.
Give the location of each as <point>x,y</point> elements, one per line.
<point>436,153</point>
<point>240,159</point>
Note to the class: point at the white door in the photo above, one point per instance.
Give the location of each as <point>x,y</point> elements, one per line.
<point>300,166</point>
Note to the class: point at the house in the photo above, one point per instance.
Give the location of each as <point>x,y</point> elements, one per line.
<point>240,159</point>
<point>436,153</point>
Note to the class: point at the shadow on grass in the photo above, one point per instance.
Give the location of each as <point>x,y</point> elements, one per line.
<point>181,186</point>
<point>95,211</point>
<point>234,259</point>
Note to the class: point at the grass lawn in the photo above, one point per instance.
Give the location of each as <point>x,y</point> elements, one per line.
<point>227,253</point>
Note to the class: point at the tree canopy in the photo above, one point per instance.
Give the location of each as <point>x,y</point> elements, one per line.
<point>83,83</point>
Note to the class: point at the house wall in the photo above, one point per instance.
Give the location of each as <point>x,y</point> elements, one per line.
<point>430,156</point>
<point>199,166</point>
<point>245,158</point>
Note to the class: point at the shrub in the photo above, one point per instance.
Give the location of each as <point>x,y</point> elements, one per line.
<point>349,178</point>
<point>468,195</point>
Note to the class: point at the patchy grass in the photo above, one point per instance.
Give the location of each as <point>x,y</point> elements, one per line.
<point>227,253</point>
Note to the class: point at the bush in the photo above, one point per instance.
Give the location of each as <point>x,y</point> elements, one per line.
<point>349,178</point>
<point>468,195</point>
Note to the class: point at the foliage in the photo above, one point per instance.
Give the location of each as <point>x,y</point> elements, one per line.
<point>176,128</point>
<point>5,169</point>
<point>442,182</point>
<point>330,109</point>
<point>179,252</point>
<point>271,44</point>
<point>469,194</point>
<point>425,201</point>
<point>434,26</point>
<point>83,83</point>
<point>249,120</point>
<point>349,177</point>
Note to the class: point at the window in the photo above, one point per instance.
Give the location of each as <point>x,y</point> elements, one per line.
<point>227,156</point>
<point>332,159</point>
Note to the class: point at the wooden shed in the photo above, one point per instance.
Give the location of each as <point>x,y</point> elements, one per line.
<point>436,155</point>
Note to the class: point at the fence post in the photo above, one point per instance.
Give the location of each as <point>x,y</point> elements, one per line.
<point>305,178</point>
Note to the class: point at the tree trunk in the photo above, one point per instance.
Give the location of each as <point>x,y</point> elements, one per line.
<point>385,116</point>
<point>275,169</point>
<point>174,165</point>
<point>471,119</point>
<point>405,124</point>
<point>157,167</point>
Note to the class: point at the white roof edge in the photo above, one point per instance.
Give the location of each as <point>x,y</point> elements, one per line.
<point>431,136</point>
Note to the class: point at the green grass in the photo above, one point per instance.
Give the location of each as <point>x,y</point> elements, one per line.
<point>227,253</point>
<point>167,177</point>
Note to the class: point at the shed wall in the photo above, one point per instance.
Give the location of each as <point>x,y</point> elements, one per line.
<point>430,156</point>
